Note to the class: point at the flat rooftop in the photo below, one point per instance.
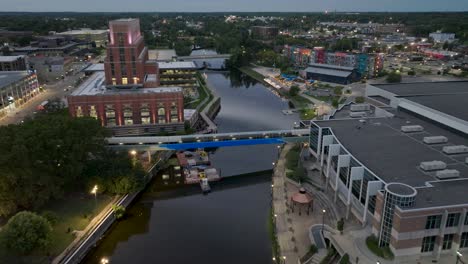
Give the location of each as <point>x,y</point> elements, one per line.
<point>95,85</point>
<point>325,71</point>
<point>9,77</point>
<point>451,104</point>
<point>395,156</point>
<point>177,65</point>
<point>94,67</point>
<point>425,88</point>
<point>84,31</point>
<point>331,66</point>
<point>162,54</point>
<point>10,58</point>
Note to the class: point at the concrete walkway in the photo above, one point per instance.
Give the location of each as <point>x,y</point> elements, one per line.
<point>293,228</point>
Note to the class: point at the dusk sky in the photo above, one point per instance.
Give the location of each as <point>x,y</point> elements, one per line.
<point>232,5</point>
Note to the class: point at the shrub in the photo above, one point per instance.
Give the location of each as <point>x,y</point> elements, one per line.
<point>411,73</point>
<point>344,259</point>
<point>359,100</point>
<point>51,217</point>
<point>373,244</point>
<point>394,77</point>
<point>119,211</point>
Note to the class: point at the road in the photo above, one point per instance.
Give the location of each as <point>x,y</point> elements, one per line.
<point>52,91</point>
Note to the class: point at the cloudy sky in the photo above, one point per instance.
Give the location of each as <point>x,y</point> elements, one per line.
<point>232,5</point>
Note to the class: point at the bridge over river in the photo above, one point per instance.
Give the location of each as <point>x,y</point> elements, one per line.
<point>210,140</point>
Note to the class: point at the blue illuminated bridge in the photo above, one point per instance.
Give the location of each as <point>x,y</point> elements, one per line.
<point>210,140</point>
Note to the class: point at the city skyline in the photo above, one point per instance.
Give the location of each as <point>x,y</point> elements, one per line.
<point>237,6</point>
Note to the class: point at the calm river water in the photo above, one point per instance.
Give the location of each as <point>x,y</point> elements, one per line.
<point>230,224</point>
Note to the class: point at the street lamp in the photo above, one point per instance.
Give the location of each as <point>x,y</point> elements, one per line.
<point>323,219</point>
<point>94,191</point>
<point>459,255</point>
<point>104,261</point>
<point>133,153</point>
<point>274,259</point>
<point>284,259</point>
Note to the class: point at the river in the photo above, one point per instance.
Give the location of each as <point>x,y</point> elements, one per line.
<point>229,225</point>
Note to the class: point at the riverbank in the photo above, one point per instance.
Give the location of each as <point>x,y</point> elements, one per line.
<point>303,104</point>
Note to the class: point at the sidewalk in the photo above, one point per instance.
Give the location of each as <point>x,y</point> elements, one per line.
<point>293,230</point>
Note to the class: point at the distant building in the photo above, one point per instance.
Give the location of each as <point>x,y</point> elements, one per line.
<point>13,63</point>
<point>49,68</point>
<point>16,88</point>
<point>49,46</point>
<point>8,34</point>
<point>127,96</point>
<point>439,37</point>
<point>366,65</point>
<point>162,55</point>
<point>439,54</point>
<point>330,73</point>
<point>100,37</point>
<point>264,32</point>
<point>180,74</point>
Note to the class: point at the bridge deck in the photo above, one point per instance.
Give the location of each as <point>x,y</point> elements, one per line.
<point>211,140</point>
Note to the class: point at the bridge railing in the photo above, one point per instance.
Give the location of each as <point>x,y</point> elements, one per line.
<point>207,137</point>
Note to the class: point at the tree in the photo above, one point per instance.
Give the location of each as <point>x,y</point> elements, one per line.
<point>294,90</point>
<point>340,225</point>
<point>119,211</point>
<point>27,231</point>
<point>394,77</point>
<point>344,259</point>
<point>359,100</point>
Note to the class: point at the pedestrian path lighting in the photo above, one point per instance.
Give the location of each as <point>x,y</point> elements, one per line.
<point>94,191</point>
<point>284,259</point>
<point>459,255</point>
<point>323,219</point>
<point>104,261</point>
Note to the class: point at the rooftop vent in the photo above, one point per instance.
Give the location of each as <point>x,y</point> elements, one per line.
<point>447,174</point>
<point>433,165</point>
<point>357,114</point>
<point>455,149</point>
<point>414,128</point>
<point>435,140</point>
<point>360,107</point>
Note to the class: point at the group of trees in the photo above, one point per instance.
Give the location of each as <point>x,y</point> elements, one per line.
<point>53,154</point>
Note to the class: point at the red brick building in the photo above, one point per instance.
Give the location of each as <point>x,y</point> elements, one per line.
<point>126,97</point>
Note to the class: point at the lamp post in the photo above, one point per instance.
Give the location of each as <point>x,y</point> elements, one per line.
<point>323,220</point>
<point>459,255</point>
<point>104,261</point>
<point>274,260</point>
<point>284,259</point>
<point>94,191</point>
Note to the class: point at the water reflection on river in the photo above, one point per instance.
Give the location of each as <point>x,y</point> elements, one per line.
<point>230,224</point>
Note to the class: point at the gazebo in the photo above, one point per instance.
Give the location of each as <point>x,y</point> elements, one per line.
<point>302,200</point>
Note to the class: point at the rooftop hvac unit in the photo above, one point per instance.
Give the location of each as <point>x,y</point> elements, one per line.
<point>414,128</point>
<point>433,165</point>
<point>435,140</point>
<point>360,107</point>
<point>455,149</point>
<point>447,174</point>
<point>357,114</point>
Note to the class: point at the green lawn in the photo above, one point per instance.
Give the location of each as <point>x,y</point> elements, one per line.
<point>373,244</point>
<point>74,213</point>
<point>203,93</point>
<point>249,71</point>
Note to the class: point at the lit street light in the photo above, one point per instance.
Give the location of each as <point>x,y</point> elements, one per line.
<point>323,219</point>
<point>104,261</point>
<point>94,191</point>
<point>459,255</point>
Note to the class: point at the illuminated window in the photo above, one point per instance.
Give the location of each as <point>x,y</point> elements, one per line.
<point>145,115</point>
<point>135,80</point>
<point>161,115</point>
<point>124,80</point>
<point>174,113</point>
<point>79,111</point>
<point>114,81</point>
<point>92,111</point>
<point>110,115</point>
<point>128,115</point>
